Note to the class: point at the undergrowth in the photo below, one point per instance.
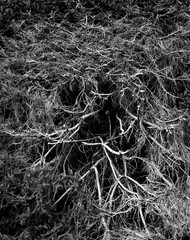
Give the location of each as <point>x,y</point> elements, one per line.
<point>94,114</point>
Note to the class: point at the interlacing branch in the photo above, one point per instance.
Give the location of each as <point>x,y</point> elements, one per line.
<point>115,172</point>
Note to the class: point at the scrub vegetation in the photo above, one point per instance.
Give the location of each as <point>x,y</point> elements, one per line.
<point>94,120</point>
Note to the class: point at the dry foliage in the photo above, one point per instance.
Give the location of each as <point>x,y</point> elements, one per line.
<point>94,110</point>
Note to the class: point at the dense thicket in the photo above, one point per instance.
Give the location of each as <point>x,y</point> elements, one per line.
<point>94,119</point>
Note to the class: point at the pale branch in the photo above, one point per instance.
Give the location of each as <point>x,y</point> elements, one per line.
<point>100,197</point>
